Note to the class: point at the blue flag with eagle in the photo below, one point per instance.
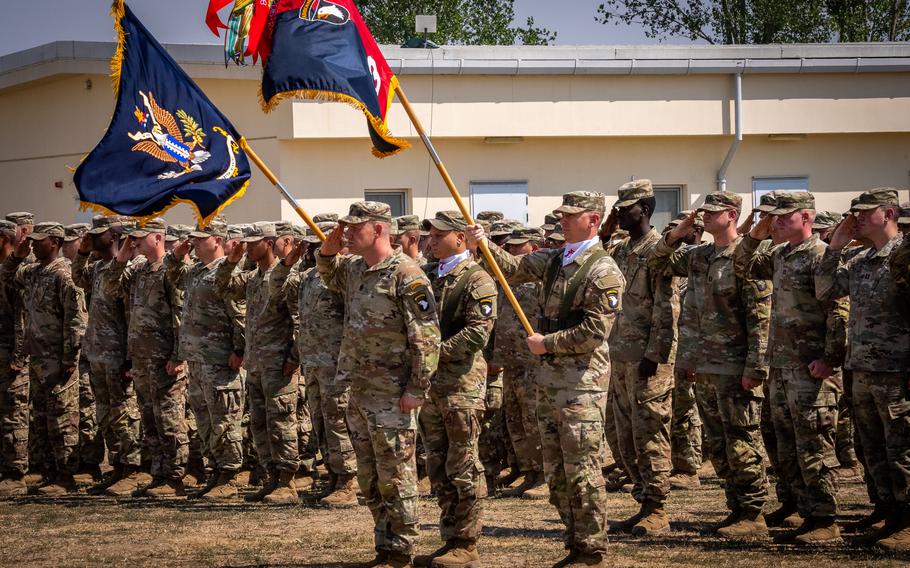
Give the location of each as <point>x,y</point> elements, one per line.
<point>166,144</point>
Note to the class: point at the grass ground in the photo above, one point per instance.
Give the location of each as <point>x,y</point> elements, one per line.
<point>93,531</point>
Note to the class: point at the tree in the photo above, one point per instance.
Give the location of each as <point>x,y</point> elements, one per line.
<point>763,21</point>
<point>460,22</point>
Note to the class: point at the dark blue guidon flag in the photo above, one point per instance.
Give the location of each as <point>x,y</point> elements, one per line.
<point>166,144</point>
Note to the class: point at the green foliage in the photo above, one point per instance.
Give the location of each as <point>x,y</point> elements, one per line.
<point>763,21</point>
<point>459,22</point>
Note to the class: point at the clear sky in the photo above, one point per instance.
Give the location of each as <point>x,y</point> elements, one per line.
<point>34,22</point>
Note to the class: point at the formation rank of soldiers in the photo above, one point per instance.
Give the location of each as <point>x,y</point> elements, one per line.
<point>189,358</point>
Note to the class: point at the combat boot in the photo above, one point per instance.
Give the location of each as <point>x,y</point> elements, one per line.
<point>899,540</point>
<point>344,496</point>
<point>626,525</point>
<point>268,485</point>
<point>892,525</point>
<point>396,560</point>
<point>88,475</point>
<point>330,487</point>
<point>653,521</point>
<point>785,516</point>
<point>111,478</point>
<point>425,560</point>
<point>873,521</point>
<point>211,482</point>
<point>129,483</point>
<point>750,526</point>
<point>13,486</point>
<point>225,488</point>
<point>531,480</point>
<point>170,488</point>
<point>821,531</point>
<point>508,480</point>
<point>463,554</point>
<point>732,517</point>
<point>539,492</point>
<point>684,481</point>
<point>285,492</point>
<point>62,484</point>
<point>587,560</point>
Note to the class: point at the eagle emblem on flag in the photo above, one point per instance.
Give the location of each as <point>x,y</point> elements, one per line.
<point>162,138</point>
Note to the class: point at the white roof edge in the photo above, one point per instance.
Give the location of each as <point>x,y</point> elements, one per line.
<point>208,61</point>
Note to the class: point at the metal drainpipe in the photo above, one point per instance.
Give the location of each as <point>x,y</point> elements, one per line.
<point>738,105</point>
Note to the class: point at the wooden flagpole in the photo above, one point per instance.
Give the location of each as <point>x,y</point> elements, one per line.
<point>464,210</point>
<point>281,189</point>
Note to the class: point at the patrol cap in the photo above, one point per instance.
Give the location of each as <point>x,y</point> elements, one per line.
<point>790,201</point>
<point>21,218</point>
<point>875,198</point>
<point>549,222</point>
<point>826,220</point>
<point>767,203</point>
<point>525,234</point>
<point>490,216</point>
<point>7,228</point>
<point>557,235</point>
<point>47,229</point>
<point>905,214</point>
<point>446,221</point>
<point>259,231</point>
<point>284,228</point>
<point>722,201</point>
<point>579,201</point>
<point>235,232</point>
<point>325,226</point>
<point>104,223</point>
<point>405,223</point>
<point>75,231</point>
<point>156,225</point>
<point>125,228</point>
<point>213,229</point>
<point>634,191</point>
<point>323,217</point>
<point>363,211</point>
<point>177,232</point>
<point>504,227</point>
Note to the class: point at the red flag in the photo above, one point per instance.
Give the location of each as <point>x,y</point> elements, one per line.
<point>260,18</point>
<point>211,15</point>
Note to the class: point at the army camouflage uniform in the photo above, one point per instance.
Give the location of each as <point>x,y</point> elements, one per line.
<point>105,348</point>
<point>269,343</point>
<point>152,340</point>
<point>450,419</point>
<point>55,323</point>
<point>880,387</point>
<point>573,377</point>
<point>212,328</point>
<point>390,347</point>
<point>802,330</point>
<point>686,429</point>
<point>731,323</point>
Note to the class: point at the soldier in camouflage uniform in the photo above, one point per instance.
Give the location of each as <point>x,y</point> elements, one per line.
<point>152,343</point>
<point>14,379</point>
<point>91,442</point>
<point>273,376</point>
<point>578,302</point>
<point>878,317</point>
<point>406,234</point>
<point>105,348</point>
<point>519,371</point>
<point>212,343</point>
<point>55,323</point>
<point>450,419</point>
<point>731,318</point>
<point>642,350</point>
<point>320,313</point>
<point>389,349</point>
<point>806,345</point>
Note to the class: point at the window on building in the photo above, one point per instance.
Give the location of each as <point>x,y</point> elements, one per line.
<point>763,185</point>
<point>668,202</point>
<point>396,199</point>
<point>510,197</point>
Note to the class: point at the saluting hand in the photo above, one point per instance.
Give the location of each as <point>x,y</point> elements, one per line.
<point>763,230</point>
<point>182,249</point>
<point>844,233</point>
<point>333,243</point>
<point>609,226</point>
<point>747,224</point>
<point>295,254</point>
<point>683,230</point>
<point>85,244</point>
<point>23,248</point>
<point>126,251</point>
<point>235,251</point>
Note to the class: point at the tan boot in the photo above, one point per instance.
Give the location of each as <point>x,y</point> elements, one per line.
<point>626,525</point>
<point>540,492</point>
<point>286,491</point>
<point>63,483</point>
<point>268,485</point>
<point>126,485</point>
<point>684,481</point>
<point>330,487</point>
<point>171,488</point>
<point>224,488</point>
<point>654,520</point>
<point>750,526</point>
<point>426,559</point>
<point>732,517</point>
<point>463,554</point>
<point>344,496</point>
<point>873,521</point>
<point>899,541</point>
<point>785,516</point>
<point>424,486</point>
<point>822,531</point>
<point>531,480</point>
<point>13,486</point>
